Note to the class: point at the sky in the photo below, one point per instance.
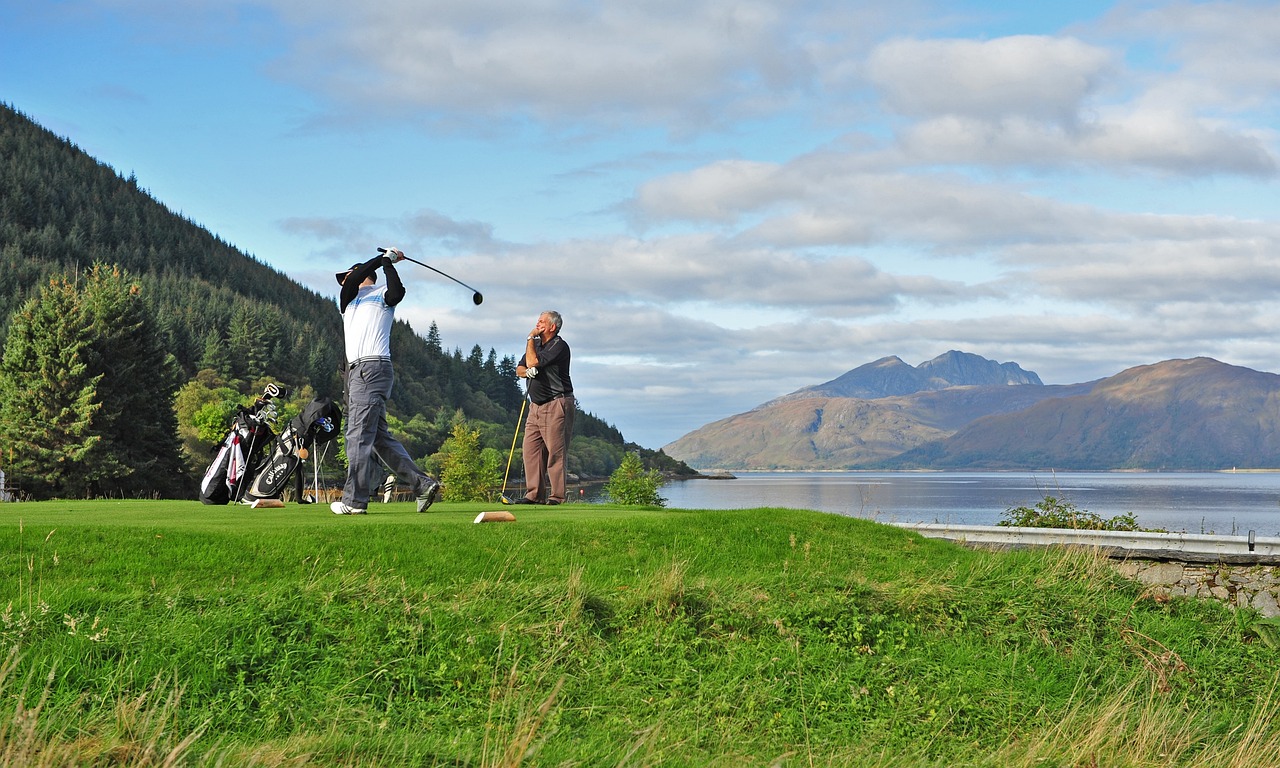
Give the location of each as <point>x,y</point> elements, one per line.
<point>726,200</point>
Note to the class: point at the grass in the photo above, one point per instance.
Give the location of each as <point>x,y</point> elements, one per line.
<point>171,633</point>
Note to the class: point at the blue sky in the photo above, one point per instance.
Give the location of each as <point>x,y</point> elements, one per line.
<point>726,200</point>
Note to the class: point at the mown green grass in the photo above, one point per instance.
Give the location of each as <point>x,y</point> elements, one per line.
<point>591,635</point>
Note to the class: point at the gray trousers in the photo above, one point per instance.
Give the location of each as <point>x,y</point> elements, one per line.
<point>369,439</point>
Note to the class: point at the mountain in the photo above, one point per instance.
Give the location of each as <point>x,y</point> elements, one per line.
<point>890,376</point>
<point>868,415</point>
<point>1178,414</point>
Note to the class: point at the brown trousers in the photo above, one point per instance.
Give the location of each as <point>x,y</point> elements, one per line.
<point>546,448</point>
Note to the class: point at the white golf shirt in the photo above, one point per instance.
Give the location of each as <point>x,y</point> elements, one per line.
<point>367,322</point>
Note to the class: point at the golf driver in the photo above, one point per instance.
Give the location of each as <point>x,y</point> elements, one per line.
<point>477,298</point>
<point>503,495</point>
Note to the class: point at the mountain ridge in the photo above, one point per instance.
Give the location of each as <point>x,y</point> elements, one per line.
<point>1195,413</point>
<point>891,376</point>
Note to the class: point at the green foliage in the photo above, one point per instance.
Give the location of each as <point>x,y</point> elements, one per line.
<point>1268,631</point>
<point>660,461</point>
<point>632,484</point>
<point>594,457</point>
<point>419,435</point>
<point>204,407</point>
<point>468,472</point>
<point>1051,512</point>
<point>211,421</point>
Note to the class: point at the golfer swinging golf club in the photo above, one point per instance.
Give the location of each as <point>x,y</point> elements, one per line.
<point>545,369</point>
<point>368,312</point>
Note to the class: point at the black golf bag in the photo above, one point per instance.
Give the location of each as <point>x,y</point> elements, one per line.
<point>243,452</point>
<point>319,422</point>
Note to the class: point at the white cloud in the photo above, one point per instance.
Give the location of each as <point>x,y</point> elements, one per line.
<point>719,192</point>
<point>1228,48</point>
<point>1049,101</point>
<point>1039,77</point>
<point>667,63</point>
<point>1142,275</point>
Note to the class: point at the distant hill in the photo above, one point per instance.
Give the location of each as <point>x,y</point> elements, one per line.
<point>1179,414</point>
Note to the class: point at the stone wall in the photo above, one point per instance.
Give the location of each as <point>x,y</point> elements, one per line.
<point>1238,585</point>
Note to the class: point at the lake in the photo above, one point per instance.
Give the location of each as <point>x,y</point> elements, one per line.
<point>1193,502</point>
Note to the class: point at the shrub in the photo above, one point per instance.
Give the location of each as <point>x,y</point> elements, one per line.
<point>469,473</point>
<point>631,483</point>
<point>1059,513</point>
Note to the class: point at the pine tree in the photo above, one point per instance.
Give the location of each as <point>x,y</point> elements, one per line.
<point>48,399</point>
<point>433,340</point>
<point>215,357</point>
<point>140,381</point>
<point>250,340</point>
<point>86,394</point>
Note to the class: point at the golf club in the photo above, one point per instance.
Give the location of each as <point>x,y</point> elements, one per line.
<point>477,298</point>
<point>503,495</point>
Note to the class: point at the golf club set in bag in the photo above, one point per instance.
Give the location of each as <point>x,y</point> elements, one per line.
<point>246,472</point>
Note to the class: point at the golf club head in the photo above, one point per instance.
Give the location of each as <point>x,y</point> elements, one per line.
<point>477,298</point>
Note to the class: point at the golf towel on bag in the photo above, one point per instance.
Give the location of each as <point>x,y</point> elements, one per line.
<point>318,423</point>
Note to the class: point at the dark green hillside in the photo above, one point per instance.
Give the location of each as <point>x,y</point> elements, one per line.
<point>61,211</point>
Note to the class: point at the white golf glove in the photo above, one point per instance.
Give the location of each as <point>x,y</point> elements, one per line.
<point>531,372</point>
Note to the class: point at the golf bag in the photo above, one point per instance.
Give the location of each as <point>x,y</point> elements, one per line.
<point>242,452</point>
<point>318,423</point>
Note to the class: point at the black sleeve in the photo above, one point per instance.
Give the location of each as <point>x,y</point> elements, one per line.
<point>351,286</point>
<point>395,288</point>
<point>551,351</point>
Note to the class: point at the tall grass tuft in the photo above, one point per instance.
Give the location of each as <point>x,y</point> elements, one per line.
<point>1137,727</point>
<point>137,731</point>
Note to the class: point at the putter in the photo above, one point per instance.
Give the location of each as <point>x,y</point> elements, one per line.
<point>503,495</point>
<point>476,297</point>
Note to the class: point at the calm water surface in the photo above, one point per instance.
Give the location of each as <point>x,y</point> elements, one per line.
<point>1195,502</point>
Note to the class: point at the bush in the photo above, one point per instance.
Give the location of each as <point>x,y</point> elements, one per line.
<point>469,472</point>
<point>631,483</point>
<point>1058,513</point>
